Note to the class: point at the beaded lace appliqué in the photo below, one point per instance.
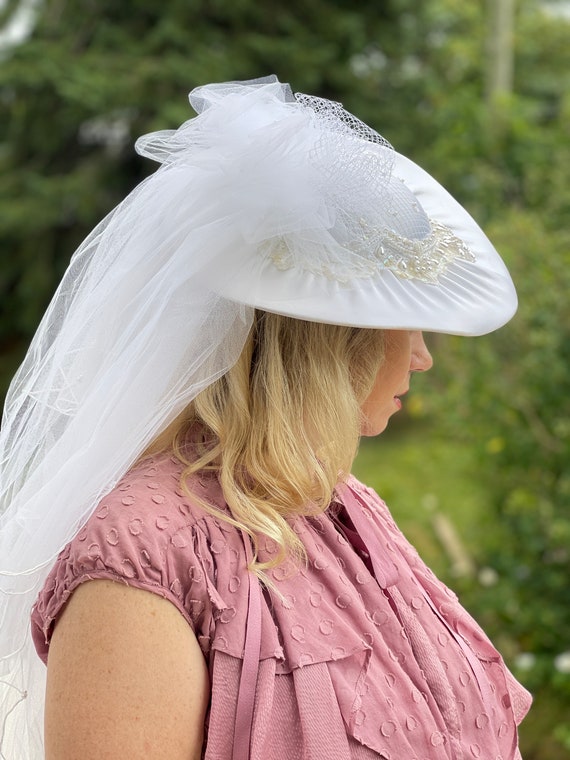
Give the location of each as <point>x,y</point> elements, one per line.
<point>424,260</point>
<point>358,248</point>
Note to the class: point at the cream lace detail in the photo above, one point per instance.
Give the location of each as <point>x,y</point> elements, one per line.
<point>379,249</point>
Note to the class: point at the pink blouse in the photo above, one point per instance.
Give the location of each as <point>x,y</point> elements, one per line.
<point>362,654</point>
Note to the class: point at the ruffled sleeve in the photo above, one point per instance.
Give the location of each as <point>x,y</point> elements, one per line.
<point>145,534</point>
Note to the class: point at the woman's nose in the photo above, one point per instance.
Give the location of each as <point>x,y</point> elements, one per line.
<point>420,360</point>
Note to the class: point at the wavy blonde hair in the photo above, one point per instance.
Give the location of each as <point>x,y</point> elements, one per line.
<point>282,426</point>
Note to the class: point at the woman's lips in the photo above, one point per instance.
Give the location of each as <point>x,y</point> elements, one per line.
<point>398,400</point>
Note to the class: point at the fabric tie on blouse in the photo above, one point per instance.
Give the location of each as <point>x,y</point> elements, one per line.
<point>426,655</point>
<point>250,665</point>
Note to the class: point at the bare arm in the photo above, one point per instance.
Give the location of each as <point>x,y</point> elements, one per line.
<point>126,679</point>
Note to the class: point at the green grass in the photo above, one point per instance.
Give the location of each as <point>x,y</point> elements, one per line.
<point>418,474</point>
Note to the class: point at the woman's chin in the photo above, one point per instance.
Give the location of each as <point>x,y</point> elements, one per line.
<point>370,428</point>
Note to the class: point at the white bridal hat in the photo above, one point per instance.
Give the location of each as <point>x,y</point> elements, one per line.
<point>330,223</point>
<point>265,199</point>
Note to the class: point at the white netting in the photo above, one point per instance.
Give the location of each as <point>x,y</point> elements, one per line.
<point>336,118</point>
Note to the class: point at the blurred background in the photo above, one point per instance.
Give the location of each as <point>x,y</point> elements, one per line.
<point>476,470</point>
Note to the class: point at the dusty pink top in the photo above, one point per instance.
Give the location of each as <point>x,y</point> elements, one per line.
<point>364,655</point>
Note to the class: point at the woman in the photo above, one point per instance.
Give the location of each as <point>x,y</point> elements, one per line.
<point>182,433</point>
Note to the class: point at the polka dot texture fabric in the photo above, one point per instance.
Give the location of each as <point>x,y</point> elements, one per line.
<point>358,660</point>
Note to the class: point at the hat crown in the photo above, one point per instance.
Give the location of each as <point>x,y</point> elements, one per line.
<point>307,182</point>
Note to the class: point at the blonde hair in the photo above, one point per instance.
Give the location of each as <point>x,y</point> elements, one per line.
<point>282,426</point>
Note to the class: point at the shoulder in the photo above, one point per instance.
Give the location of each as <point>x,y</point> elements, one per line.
<point>154,500</point>
<point>151,533</point>
<point>367,495</point>
<point>150,520</point>
<point>155,487</point>
<point>380,518</point>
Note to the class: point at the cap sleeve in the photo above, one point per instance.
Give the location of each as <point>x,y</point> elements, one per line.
<point>147,534</point>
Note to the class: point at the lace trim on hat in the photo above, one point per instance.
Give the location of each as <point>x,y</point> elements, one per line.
<point>424,260</point>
